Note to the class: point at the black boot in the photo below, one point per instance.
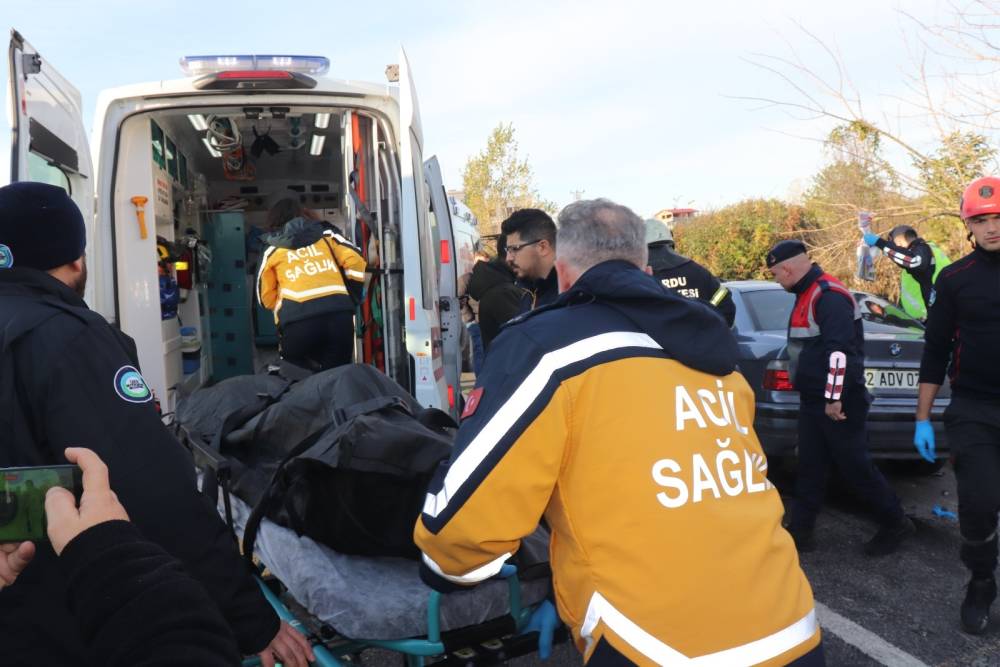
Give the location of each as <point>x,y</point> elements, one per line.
<point>976,605</point>
<point>888,538</point>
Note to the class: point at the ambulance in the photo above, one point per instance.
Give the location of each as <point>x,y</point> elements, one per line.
<point>176,197</point>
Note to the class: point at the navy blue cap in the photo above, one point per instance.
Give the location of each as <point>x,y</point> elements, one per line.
<point>40,227</point>
<point>785,250</point>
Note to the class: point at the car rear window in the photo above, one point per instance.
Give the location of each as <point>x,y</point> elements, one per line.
<point>880,316</point>
<point>769,309</point>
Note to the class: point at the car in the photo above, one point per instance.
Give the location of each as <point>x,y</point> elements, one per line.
<point>894,344</point>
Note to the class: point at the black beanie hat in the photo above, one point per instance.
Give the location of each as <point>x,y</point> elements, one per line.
<point>785,250</point>
<point>40,227</point>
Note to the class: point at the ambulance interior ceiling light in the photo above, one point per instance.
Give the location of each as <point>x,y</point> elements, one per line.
<point>211,149</point>
<point>317,144</point>
<point>198,122</point>
<point>322,121</point>
<point>201,65</point>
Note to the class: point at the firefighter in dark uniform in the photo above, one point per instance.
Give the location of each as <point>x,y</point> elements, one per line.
<point>826,351</point>
<point>67,378</point>
<point>684,276</point>
<point>963,339</point>
<point>920,260</point>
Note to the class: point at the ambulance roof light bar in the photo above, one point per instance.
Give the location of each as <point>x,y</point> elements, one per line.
<point>202,65</point>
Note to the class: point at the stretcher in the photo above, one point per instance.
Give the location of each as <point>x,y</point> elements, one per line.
<point>348,604</point>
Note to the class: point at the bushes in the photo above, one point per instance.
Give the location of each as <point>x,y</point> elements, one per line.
<point>733,241</point>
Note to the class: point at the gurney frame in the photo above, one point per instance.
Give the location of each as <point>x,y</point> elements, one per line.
<point>492,642</point>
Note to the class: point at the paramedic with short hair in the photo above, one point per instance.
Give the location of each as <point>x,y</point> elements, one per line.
<point>68,378</point>
<point>617,415</point>
<point>962,340</point>
<point>826,346</point>
<point>311,277</point>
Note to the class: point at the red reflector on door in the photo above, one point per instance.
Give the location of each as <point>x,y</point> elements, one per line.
<point>413,308</point>
<point>451,396</point>
<point>445,251</point>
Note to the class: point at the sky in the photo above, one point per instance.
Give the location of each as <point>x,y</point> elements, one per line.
<point>634,101</point>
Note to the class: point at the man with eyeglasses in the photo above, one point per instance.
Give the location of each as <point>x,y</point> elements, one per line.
<point>530,234</point>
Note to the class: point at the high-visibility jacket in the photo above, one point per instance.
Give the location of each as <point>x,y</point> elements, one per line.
<point>309,269</point>
<point>914,293</point>
<point>616,414</point>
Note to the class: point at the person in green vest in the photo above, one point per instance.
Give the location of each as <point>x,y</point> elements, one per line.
<point>921,262</point>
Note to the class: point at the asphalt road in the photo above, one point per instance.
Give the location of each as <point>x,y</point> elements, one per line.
<point>900,610</point>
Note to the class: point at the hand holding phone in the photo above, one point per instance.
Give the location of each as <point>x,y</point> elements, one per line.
<point>22,499</point>
<point>97,504</point>
<point>13,559</point>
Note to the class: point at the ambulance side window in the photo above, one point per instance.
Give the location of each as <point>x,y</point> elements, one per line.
<point>432,222</point>
<point>428,264</point>
<point>43,171</point>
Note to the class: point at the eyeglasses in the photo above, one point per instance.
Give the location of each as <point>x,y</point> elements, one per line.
<point>514,249</point>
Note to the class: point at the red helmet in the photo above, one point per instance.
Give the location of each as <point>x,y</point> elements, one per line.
<point>981,197</point>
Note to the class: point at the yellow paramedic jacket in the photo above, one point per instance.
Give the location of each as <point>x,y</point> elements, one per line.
<point>302,272</point>
<point>615,413</point>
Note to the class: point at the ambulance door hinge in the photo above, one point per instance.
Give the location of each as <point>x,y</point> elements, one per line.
<point>31,63</point>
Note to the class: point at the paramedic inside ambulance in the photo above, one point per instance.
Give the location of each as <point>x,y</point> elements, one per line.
<point>619,407</point>
<point>312,278</point>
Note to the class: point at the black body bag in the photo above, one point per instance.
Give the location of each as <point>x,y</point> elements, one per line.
<point>359,485</point>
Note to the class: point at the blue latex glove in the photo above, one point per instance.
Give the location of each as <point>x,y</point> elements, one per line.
<point>544,621</point>
<point>870,239</point>
<point>923,438</point>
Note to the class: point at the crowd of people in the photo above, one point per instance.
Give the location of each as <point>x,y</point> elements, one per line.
<point>608,405</point>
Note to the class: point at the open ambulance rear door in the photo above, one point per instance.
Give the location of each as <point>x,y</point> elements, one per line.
<point>420,276</point>
<point>450,313</point>
<point>48,140</point>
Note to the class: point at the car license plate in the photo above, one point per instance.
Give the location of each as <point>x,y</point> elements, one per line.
<point>892,378</point>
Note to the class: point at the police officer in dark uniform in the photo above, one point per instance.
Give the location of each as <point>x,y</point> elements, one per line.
<point>963,338</point>
<point>67,378</point>
<point>826,348</point>
<point>684,276</point>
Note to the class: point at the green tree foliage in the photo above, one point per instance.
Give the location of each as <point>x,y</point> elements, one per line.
<point>732,242</point>
<point>961,157</point>
<point>498,181</point>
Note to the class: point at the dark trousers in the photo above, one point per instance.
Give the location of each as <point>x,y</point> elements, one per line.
<point>973,429</point>
<point>321,342</point>
<point>824,443</point>
<point>605,655</point>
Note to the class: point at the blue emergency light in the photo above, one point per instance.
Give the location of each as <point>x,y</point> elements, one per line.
<point>202,65</point>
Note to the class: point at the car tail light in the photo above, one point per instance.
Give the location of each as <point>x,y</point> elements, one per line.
<point>777,379</point>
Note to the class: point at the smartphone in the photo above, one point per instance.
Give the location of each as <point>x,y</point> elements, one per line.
<point>22,499</point>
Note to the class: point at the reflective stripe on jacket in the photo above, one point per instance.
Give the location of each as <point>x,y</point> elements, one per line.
<point>298,283</point>
<point>615,413</point>
<point>825,319</point>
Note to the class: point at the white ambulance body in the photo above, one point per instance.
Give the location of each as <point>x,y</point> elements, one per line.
<point>344,148</point>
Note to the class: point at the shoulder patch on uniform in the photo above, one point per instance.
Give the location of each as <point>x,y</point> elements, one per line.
<point>472,402</point>
<point>6,257</point>
<point>932,297</point>
<point>131,387</point>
